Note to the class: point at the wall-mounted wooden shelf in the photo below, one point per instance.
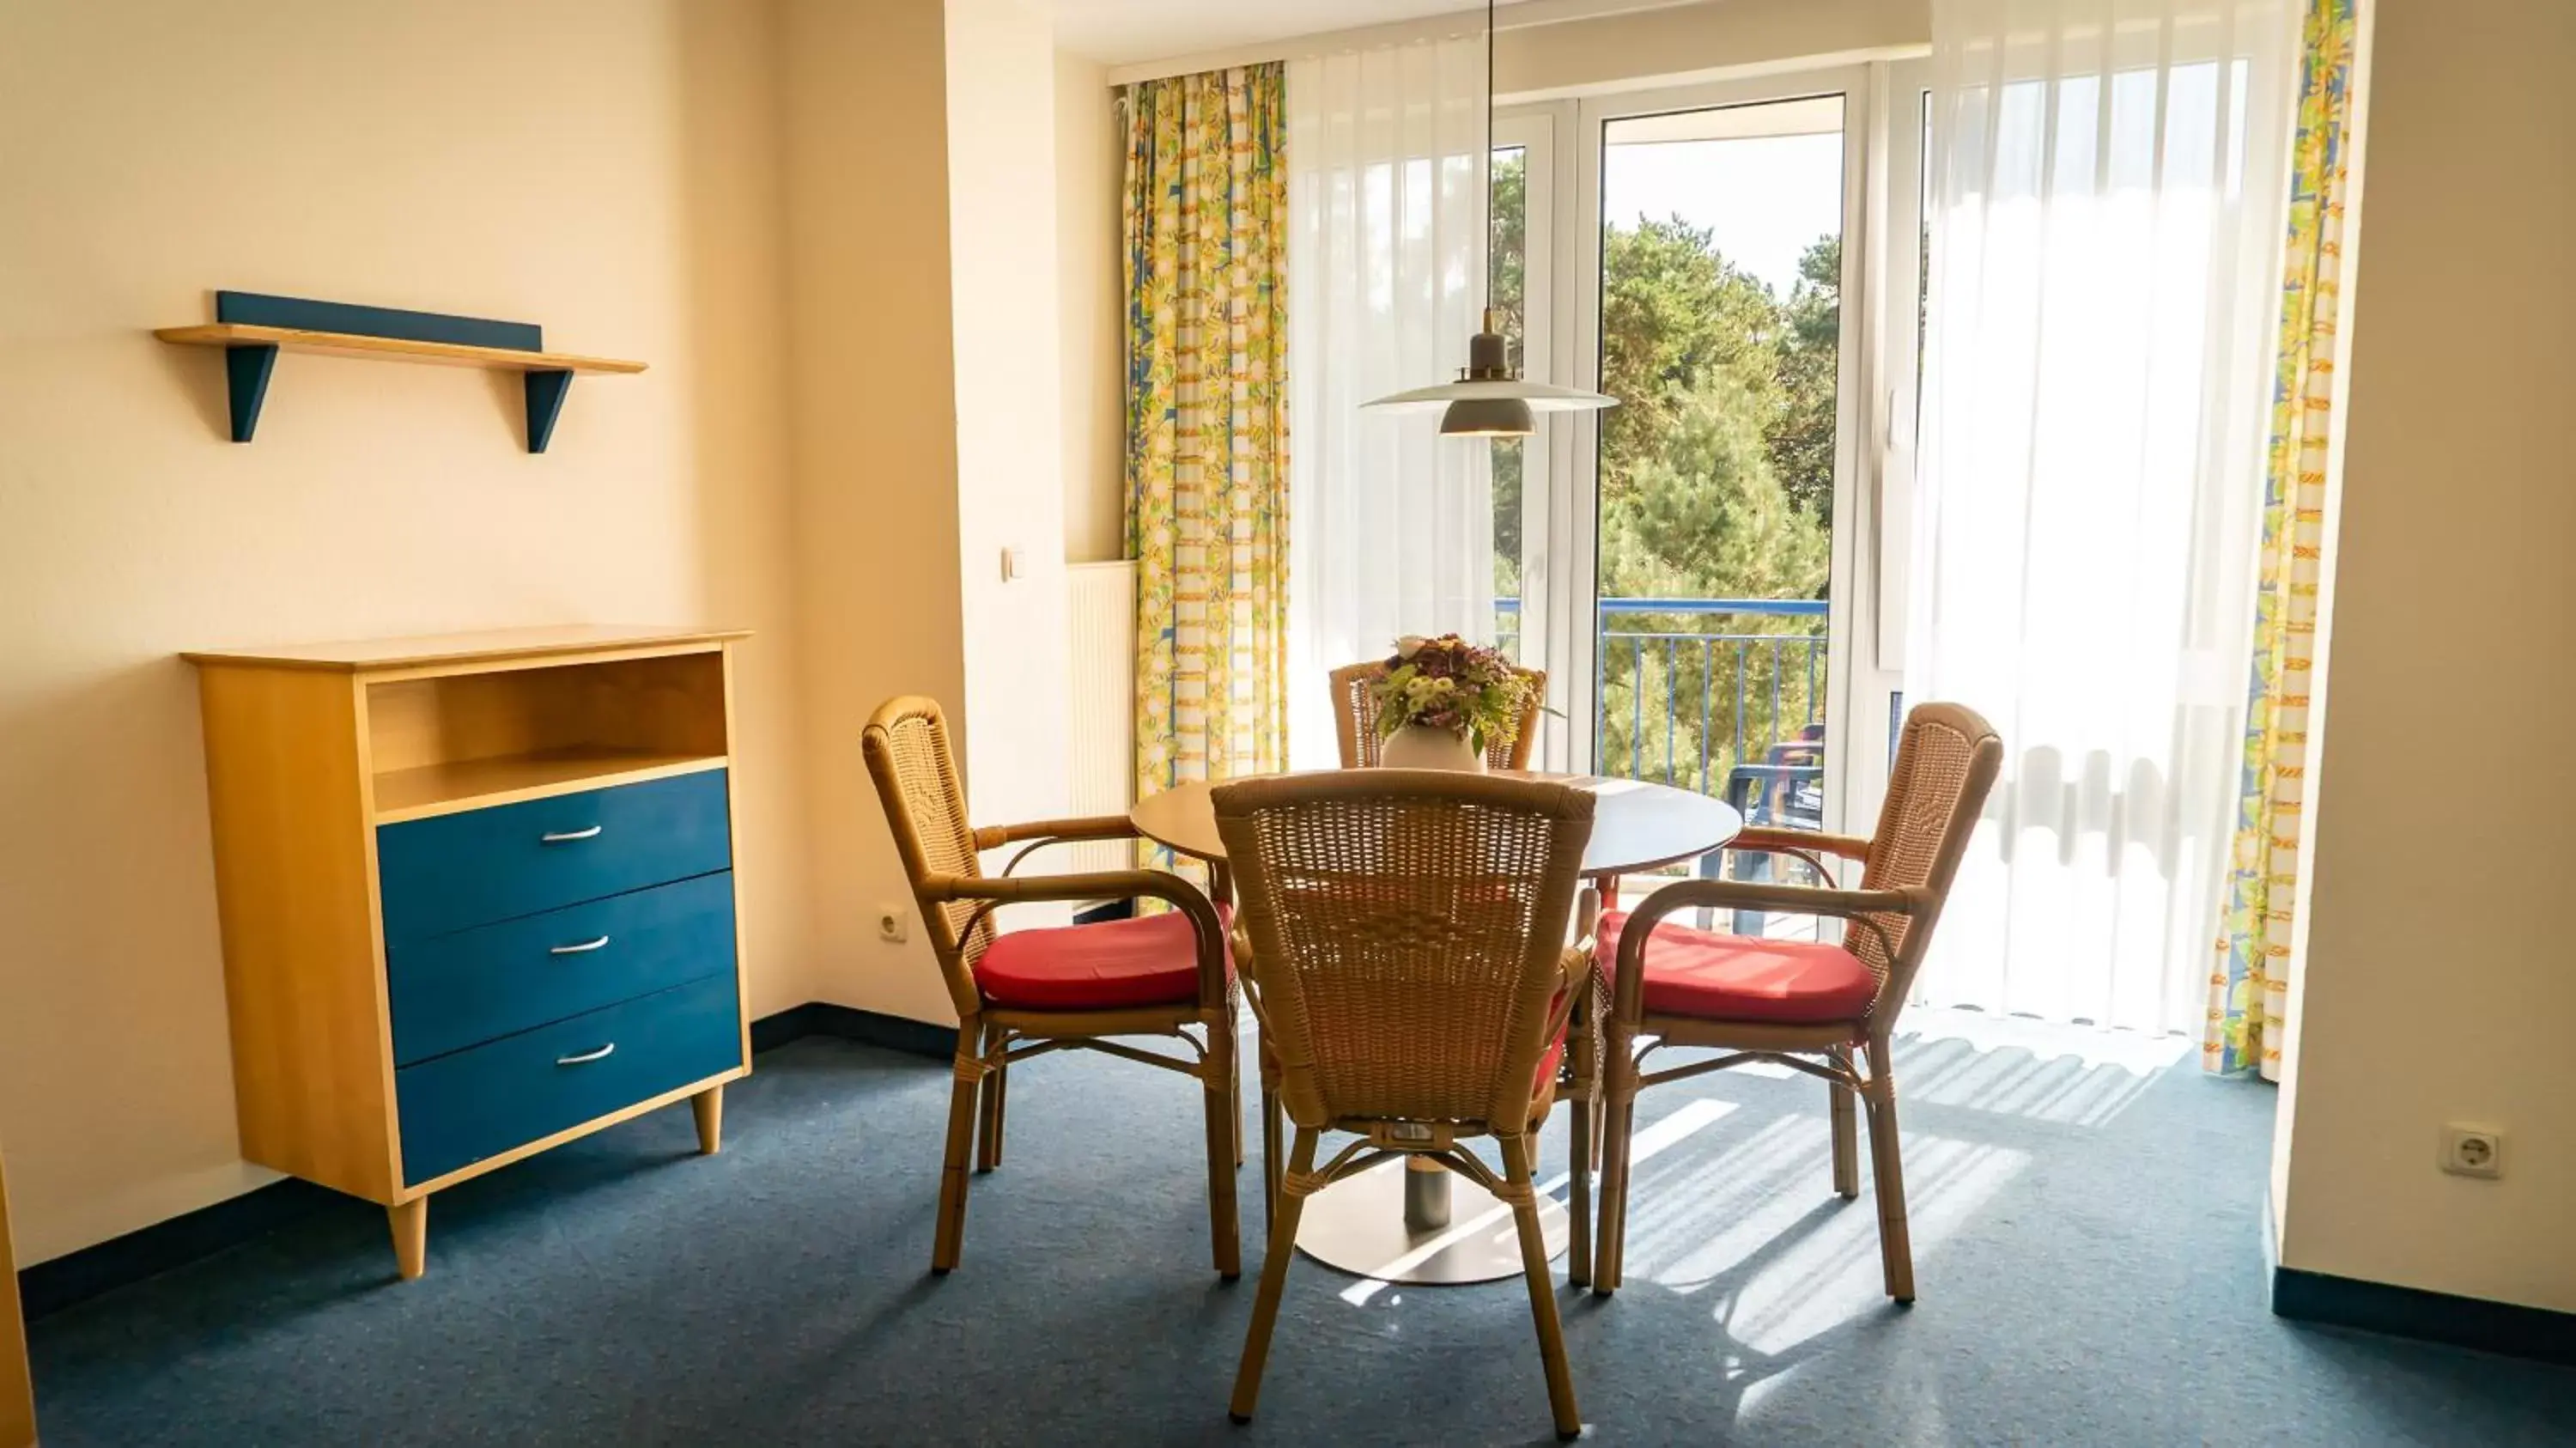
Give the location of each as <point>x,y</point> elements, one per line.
<point>252,329</point>
<point>358,344</point>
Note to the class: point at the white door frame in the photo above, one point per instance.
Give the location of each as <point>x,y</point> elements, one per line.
<point>1547,353</point>
<point>1556,532</point>
<point>1891,346</point>
<point>1561,519</point>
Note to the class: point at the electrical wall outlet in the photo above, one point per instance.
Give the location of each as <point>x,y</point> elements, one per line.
<point>893,926</point>
<point>2472,1151</point>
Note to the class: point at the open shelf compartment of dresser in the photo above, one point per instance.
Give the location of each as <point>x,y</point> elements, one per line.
<point>447,742</point>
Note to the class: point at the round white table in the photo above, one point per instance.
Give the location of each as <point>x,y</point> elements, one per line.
<point>1414,1221</point>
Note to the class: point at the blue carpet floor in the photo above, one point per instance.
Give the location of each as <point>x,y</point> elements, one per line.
<point>2088,1212</point>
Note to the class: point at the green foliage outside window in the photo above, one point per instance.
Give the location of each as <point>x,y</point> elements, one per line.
<point>1717,481</point>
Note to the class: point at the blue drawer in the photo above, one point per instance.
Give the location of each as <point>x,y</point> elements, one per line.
<point>470,986</point>
<point>461,1108</point>
<point>451,872</point>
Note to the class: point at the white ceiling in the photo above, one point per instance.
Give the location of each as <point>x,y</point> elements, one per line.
<point>1123,32</point>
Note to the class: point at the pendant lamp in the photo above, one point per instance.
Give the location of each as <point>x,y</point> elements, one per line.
<point>1489,399</point>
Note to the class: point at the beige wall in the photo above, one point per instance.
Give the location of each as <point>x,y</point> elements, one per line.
<point>603,167</point>
<point>921,246</point>
<point>871,359</point>
<point>2438,981</point>
<point>745,195</point>
<point>1004,284</point>
<point>1090,164</point>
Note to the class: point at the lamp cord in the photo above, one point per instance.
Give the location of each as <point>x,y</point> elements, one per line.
<point>1489,157</point>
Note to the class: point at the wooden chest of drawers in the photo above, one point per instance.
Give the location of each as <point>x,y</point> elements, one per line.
<point>478,898</point>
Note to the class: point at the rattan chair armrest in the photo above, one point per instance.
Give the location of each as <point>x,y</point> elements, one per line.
<point>1784,899</point>
<point>1041,833</point>
<point>1082,885</point>
<point>1762,839</point>
<point>1101,885</point>
<point>1087,827</point>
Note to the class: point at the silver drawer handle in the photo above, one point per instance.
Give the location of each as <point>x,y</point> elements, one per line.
<point>565,837</point>
<point>586,1057</point>
<point>585,948</point>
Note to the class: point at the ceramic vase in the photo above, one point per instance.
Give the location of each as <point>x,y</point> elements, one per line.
<point>1420,746</point>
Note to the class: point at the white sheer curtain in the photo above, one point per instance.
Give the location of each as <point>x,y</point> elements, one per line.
<point>1390,525</point>
<point>2107,203</point>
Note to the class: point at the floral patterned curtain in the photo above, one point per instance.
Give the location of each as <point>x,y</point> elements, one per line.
<point>1204,213</point>
<point>2249,990</point>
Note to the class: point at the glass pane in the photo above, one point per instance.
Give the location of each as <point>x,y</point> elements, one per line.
<point>1922,263</point>
<point>1507,254</point>
<point>1721,324</point>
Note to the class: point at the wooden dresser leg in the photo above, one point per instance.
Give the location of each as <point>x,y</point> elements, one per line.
<point>411,1236</point>
<point>708,1107</point>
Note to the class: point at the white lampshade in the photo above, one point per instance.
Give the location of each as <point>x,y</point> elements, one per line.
<point>1539,396</point>
<point>1487,400</point>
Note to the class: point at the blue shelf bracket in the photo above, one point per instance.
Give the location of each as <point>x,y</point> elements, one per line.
<point>344,327</point>
<point>545,403</point>
<point>246,370</point>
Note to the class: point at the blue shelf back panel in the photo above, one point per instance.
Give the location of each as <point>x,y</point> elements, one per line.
<point>254,309</point>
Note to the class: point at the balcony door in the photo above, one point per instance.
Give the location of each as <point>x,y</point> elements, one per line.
<point>1699,569</point>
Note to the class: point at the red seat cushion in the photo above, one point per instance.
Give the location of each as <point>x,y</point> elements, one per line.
<point>1150,960</point>
<point>1548,1065</point>
<point>1718,977</point>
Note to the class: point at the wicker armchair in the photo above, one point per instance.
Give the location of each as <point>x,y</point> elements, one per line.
<point>1024,993</point>
<point>1801,1004</point>
<point>1355,719</point>
<point>1410,974</point>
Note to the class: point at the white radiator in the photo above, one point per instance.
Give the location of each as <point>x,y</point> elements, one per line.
<point>1101,737</point>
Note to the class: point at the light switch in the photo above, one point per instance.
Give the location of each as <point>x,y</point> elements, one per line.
<point>1015,564</point>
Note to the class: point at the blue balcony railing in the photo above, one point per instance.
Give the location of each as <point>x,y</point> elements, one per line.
<point>1720,695</point>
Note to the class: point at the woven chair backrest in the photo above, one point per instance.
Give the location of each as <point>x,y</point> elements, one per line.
<point>908,754</point>
<point>1408,929</point>
<point>1946,762</point>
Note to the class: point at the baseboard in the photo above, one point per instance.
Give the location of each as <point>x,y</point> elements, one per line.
<point>770,1032</point>
<point>2498,1327</point>
<point>76,1277</point>
<point>873,1028</point>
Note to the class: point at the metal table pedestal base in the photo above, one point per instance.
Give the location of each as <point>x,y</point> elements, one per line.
<point>1362,1226</point>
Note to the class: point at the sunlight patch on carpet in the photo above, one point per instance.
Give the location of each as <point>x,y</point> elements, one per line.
<point>2038,1070</point>
<point>1757,1229</point>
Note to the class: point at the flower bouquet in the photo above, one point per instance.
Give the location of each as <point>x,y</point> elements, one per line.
<point>1442,702</point>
